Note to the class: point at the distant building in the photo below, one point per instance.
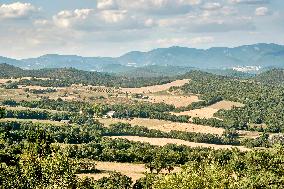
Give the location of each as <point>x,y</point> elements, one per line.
<point>110,114</point>
<point>65,121</point>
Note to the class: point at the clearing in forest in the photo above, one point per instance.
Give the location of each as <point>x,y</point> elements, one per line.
<point>177,101</point>
<point>34,121</point>
<point>166,126</point>
<point>156,88</point>
<point>165,141</point>
<point>31,109</point>
<point>208,112</point>
<point>135,171</point>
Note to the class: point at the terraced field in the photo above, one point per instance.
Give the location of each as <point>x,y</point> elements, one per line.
<point>176,100</point>
<point>166,126</point>
<point>135,171</point>
<point>155,88</point>
<point>208,112</point>
<point>165,141</point>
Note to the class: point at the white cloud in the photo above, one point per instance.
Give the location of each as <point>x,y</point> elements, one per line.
<point>249,1</point>
<point>200,40</point>
<point>100,20</point>
<point>207,22</point>
<point>261,11</point>
<point>113,16</point>
<point>17,10</point>
<point>107,4</point>
<point>158,6</point>
<point>212,6</point>
<point>66,19</point>
<point>185,41</point>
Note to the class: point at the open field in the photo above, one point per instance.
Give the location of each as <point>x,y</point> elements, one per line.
<point>166,126</point>
<point>177,101</point>
<point>208,112</point>
<point>201,113</point>
<point>249,134</point>
<point>165,141</point>
<point>226,105</point>
<point>32,109</point>
<point>34,121</point>
<point>135,171</point>
<point>155,88</point>
<point>2,81</point>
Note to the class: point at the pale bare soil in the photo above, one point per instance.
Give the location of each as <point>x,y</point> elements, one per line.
<point>249,134</point>
<point>201,113</point>
<point>177,101</point>
<point>208,112</point>
<point>31,109</point>
<point>18,79</point>
<point>166,126</point>
<point>155,88</point>
<point>165,141</point>
<point>135,171</point>
<point>34,121</point>
<point>226,105</point>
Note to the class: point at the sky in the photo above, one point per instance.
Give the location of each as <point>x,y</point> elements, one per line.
<point>33,28</point>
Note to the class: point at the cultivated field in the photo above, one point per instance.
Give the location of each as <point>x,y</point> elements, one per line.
<point>226,105</point>
<point>166,126</point>
<point>155,88</point>
<point>135,171</point>
<point>34,121</point>
<point>177,101</point>
<point>165,141</point>
<point>208,112</point>
<point>2,81</point>
<point>32,109</point>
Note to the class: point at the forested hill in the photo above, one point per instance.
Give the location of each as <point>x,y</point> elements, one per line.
<point>255,56</point>
<point>271,77</point>
<point>69,76</point>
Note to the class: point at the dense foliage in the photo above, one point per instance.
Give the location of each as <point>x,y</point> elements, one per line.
<point>263,103</point>
<point>62,77</point>
<point>256,169</point>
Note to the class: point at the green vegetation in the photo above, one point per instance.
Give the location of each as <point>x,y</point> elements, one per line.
<point>63,77</point>
<point>139,109</point>
<point>256,169</point>
<point>43,155</point>
<point>263,103</point>
<point>126,129</point>
<point>271,77</point>
<point>33,162</point>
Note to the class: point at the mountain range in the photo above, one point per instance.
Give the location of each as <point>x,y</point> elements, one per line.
<point>176,59</point>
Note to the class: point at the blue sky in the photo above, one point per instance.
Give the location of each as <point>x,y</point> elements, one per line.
<point>112,27</point>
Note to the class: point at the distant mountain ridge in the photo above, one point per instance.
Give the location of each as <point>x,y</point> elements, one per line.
<point>260,55</point>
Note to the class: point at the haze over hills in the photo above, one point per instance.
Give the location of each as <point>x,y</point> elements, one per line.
<point>247,57</point>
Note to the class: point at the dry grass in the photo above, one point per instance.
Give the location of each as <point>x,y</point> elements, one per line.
<point>155,88</point>
<point>18,79</point>
<point>34,121</point>
<point>208,112</point>
<point>249,134</point>
<point>177,101</point>
<point>135,171</point>
<point>165,141</point>
<point>226,105</point>
<point>166,126</point>
<point>201,113</point>
<point>31,109</point>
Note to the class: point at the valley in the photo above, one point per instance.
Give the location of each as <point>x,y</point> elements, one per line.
<point>132,130</point>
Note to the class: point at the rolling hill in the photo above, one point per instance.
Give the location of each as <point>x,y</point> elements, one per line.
<point>258,55</point>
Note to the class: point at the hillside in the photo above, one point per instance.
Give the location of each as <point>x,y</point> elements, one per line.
<point>156,71</point>
<point>258,55</point>
<point>69,76</point>
<point>271,77</point>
